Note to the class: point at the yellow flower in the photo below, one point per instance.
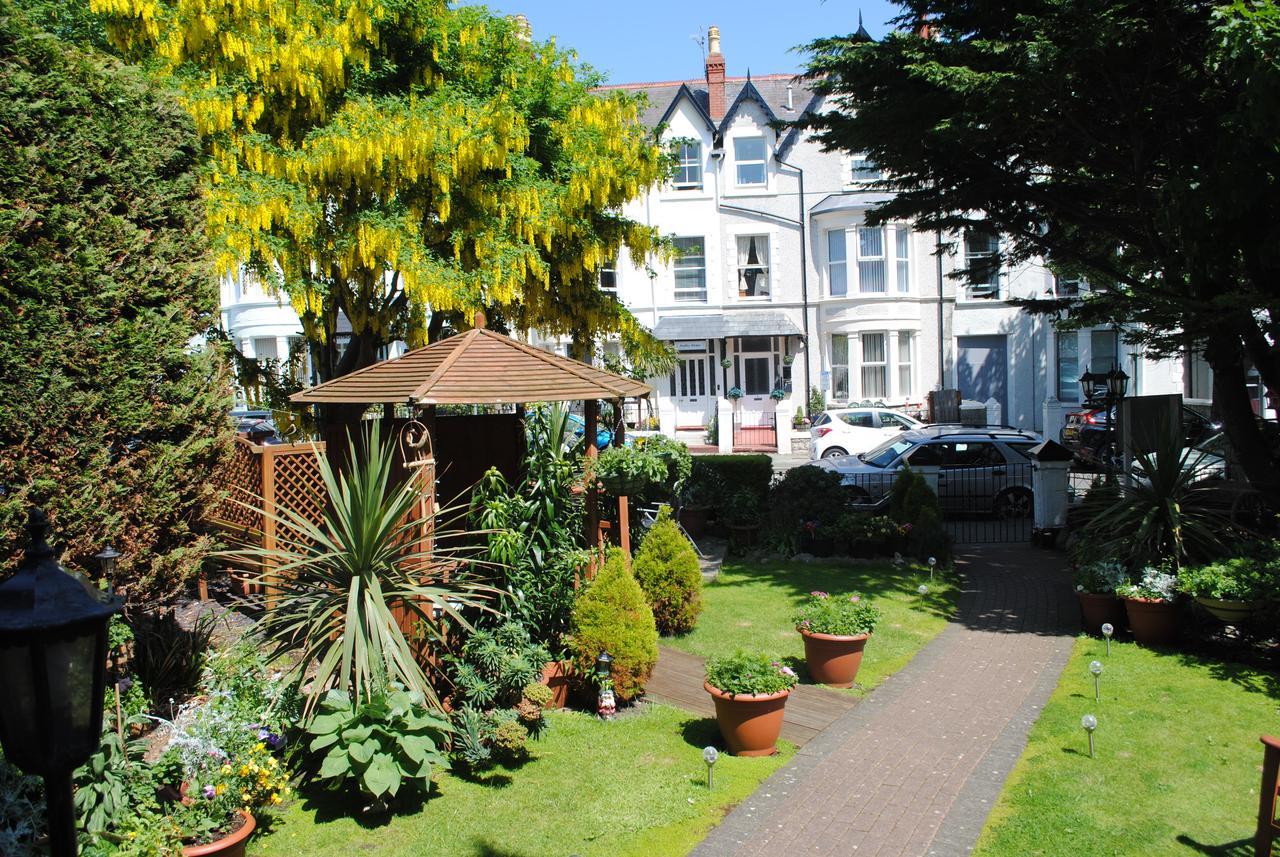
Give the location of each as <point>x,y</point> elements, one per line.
<point>244,796</point>
<point>272,761</point>
<point>244,770</point>
<point>260,747</point>
<point>220,788</point>
<point>226,769</point>
<point>275,798</point>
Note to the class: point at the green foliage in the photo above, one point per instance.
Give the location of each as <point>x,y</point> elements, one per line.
<point>167,658</point>
<point>22,810</point>
<point>630,469</point>
<point>817,401</point>
<point>678,460</point>
<point>342,580</point>
<point>535,529</point>
<point>107,783</point>
<point>539,694</point>
<point>1236,579</point>
<point>1153,584</point>
<point>666,567</point>
<point>740,509</point>
<point>108,418</point>
<point>805,499</point>
<point>1101,577</point>
<point>702,489</point>
<point>856,527</point>
<point>381,744</point>
<point>749,674</point>
<point>712,435</point>
<point>843,615</point>
<point>612,616</point>
<point>913,504</point>
<point>798,420</point>
<point>751,473</point>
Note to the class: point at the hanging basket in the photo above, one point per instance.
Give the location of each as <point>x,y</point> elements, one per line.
<point>622,484</point>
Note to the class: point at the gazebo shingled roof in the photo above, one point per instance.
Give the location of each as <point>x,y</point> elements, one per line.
<point>478,367</point>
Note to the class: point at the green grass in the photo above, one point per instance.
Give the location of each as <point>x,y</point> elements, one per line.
<point>636,786</point>
<point>1177,767</point>
<point>750,606</point>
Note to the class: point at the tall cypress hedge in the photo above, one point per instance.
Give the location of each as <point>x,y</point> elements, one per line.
<point>109,418</point>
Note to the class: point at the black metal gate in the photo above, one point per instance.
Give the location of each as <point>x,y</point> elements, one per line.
<point>760,435</point>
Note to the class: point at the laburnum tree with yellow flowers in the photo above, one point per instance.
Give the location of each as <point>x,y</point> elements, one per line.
<point>401,162</point>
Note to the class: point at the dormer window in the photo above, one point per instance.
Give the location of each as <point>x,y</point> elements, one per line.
<point>749,155</point>
<point>609,277</point>
<point>864,170</point>
<point>688,166</point>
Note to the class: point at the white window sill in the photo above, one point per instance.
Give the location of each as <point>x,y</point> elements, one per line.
<point>750,190</point>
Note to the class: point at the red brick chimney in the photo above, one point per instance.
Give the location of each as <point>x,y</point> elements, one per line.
<point>715,75</point>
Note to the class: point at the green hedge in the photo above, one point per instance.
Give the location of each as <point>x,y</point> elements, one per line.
<point>108,418</point>
<point>751,472</point>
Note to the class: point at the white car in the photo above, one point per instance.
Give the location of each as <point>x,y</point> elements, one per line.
<point>849,431</point>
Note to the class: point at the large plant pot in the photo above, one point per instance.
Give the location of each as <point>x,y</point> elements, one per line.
<point>694,520</point>
<point>749,723</point>
<point>1154,623</point>
<point>231,845</point>
<point>833,659</point>
<point>743,535</point>
<point>1230,611</point>
<point>555,675</point>
<point>1098,610</point>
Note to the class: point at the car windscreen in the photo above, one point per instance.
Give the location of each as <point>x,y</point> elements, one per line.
<point>886,453</point>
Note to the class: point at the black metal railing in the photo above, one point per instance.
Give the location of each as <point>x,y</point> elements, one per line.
<point>760,434</point>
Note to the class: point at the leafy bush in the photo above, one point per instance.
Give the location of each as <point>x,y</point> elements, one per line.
<point>751,473</point>
<point>612,615</point>
<point>1101,577</point>
<point>629,468</point>
<point>741,509</point>
<point>845,615</point>
<point>108,418</point>
<point>865,527</point>
<point>382,744</point>
<point>1235,579</point>
<point>805,499</point>
<point>817,401</point>
<point>749,674</point>
<point>702,489</point>
<point>666,567</point>
<point>912,503</point>
<point>22,810</point>
<point>673,452</point>
<point>168,658</point>
<point>103,784</point>
<point>1154,585</point>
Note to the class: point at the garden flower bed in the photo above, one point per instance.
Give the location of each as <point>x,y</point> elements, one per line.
<point>1177,760</point>
<point>634,786</point>
<point>756,603</point>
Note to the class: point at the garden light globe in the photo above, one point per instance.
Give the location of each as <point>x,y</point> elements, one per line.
<point>1089,722</point>
<point>1107,629</point>
<point>1095,667</point>
<point>922,589</point>
<point>710,755</point>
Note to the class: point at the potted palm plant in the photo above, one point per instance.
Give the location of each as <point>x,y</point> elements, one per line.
<point>750,692</point>
<point>1231,590</point>
<point>835,631</point>
<point>1096,585</point>
<point>1149,603</point>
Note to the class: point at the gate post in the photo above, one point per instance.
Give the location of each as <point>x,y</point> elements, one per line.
<point>724,423</point>
<point>994,416</point>
<point>1050,462</point>
<point>782,426</point>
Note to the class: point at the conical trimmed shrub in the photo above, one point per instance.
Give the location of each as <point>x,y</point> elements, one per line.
<point>613,616</point>
<point>666,567</point>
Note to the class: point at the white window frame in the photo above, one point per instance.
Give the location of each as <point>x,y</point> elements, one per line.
<point>687,165</point>
<point>609,268</point>
<point>840,370</point>
<point>1069,287</point>
<point>869,261</point>
<point>906,368</point>
<point>765,266</point>
<point>1068,383</point>
<point>861,167</point>
<point>880,367</point>
<point>902,258</point>
<point>991,289</point>
<point>689,295</point>
<point>837,238</point>
<point>739,162</point>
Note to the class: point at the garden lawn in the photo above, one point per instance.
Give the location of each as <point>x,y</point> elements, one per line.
<point>1177,767</point>
<point>635,786</point>
<point>750,606</point>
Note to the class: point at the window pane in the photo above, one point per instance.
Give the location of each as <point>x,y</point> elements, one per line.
<point>756,370</point>
<point>840,350</point>
<point>753,266</point>
<point>902,245</point>
<point>609,276</point>
<point>859,419</point>
<point>690,269</point>
<point>840,383</point>
<point>904,363</point>
<point>689,171</point>
<point>1068,366</point>
<point>874,367</point>
<point>749,155</point>
<point>871,273</point>
<point>1105,351</point>
<point>865,169</point>
<point>873,348</point>
<point>982,259</point>
<point>837,269</point>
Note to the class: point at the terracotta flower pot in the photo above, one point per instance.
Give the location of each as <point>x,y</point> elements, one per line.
<point>694,520</point>
<point>555,675</point>
<point>231,845</point>
<point>833,659</point>
<point>1230,611</point>
<point>743,535</point>
<point>1154,623</point>
<point>750,723</point>
<point>1098,610</point>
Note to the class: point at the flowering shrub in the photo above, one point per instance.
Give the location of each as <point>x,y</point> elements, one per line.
<point>1102,577</point>
<point>1155,585</point>
<point>845,615</point>
<point>861,527</point>
<point>749,674</point>
<point>1236,579</point>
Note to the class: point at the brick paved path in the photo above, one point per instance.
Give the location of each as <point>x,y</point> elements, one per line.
<point>916,767</point>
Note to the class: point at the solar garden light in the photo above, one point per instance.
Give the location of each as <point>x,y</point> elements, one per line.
<point>1090,723</point>
<point>922,589</point>
<point>1095,667</point>
<point>1107,631</point>
<point>933,561</point>
<point>606,705</point>
<point>53,656</point>
<point>107,562</point>
<point>710,755</point>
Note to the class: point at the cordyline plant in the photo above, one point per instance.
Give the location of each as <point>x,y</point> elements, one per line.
<point>337,583</point>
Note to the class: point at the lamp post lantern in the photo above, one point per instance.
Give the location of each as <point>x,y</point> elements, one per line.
<point>53,655</point>
<point>606,704</point>
<point>709,755</point>
<point>107,562</point>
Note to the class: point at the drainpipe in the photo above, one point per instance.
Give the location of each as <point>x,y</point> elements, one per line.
<point>942,374</point>
<point>804,285</point>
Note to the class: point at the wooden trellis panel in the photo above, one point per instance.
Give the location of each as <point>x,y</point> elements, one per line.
<point>243,481</point>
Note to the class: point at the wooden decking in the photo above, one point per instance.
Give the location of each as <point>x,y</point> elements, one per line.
<point>677,680</point>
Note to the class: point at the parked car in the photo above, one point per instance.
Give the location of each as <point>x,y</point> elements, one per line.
<point>1206,460</point>
<point>848,431</point>
<point>1085,432</point>
<point>603,436</point>
<point>978,469</point>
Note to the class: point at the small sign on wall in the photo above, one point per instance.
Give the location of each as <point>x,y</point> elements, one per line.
<point>689,345</point>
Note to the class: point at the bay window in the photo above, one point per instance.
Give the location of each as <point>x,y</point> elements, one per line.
<point>871,264</point>
<point>837,264</point>
<point>875,366</point>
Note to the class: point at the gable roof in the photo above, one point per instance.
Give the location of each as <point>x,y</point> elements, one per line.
<point>699,107</point>
<point>479,367</point>
<point>748,92</point>
<point>770,91</point>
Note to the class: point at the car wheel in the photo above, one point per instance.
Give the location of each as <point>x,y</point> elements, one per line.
<point>834,452</point>
<point>1014,503</point>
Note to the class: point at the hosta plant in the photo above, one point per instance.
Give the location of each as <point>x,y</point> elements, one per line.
<point>841,615</point>
<point>380,744</point>
<point>743,673</point>
<point>1101,577</point>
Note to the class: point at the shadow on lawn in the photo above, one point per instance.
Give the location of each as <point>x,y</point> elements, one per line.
<point>701,732</point>
<point>878,579</point>
<point>334,805</point>
<point>1255,679</point>
<point>1239,848</point>
<point>485,848</point>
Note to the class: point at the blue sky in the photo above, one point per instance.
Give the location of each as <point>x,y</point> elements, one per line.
<point>654,39</point>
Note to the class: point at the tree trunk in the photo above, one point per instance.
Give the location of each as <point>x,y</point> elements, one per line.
<point>1225,355</point>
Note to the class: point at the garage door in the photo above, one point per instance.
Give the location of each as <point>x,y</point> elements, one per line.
<point>983,368</point>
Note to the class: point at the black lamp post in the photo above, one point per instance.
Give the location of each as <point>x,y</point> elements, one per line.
<point>1117,386</point>
<point>53,656</point>
<point>107,562</point>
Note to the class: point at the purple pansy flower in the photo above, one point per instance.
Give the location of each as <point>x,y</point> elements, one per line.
<point>210,792</point>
